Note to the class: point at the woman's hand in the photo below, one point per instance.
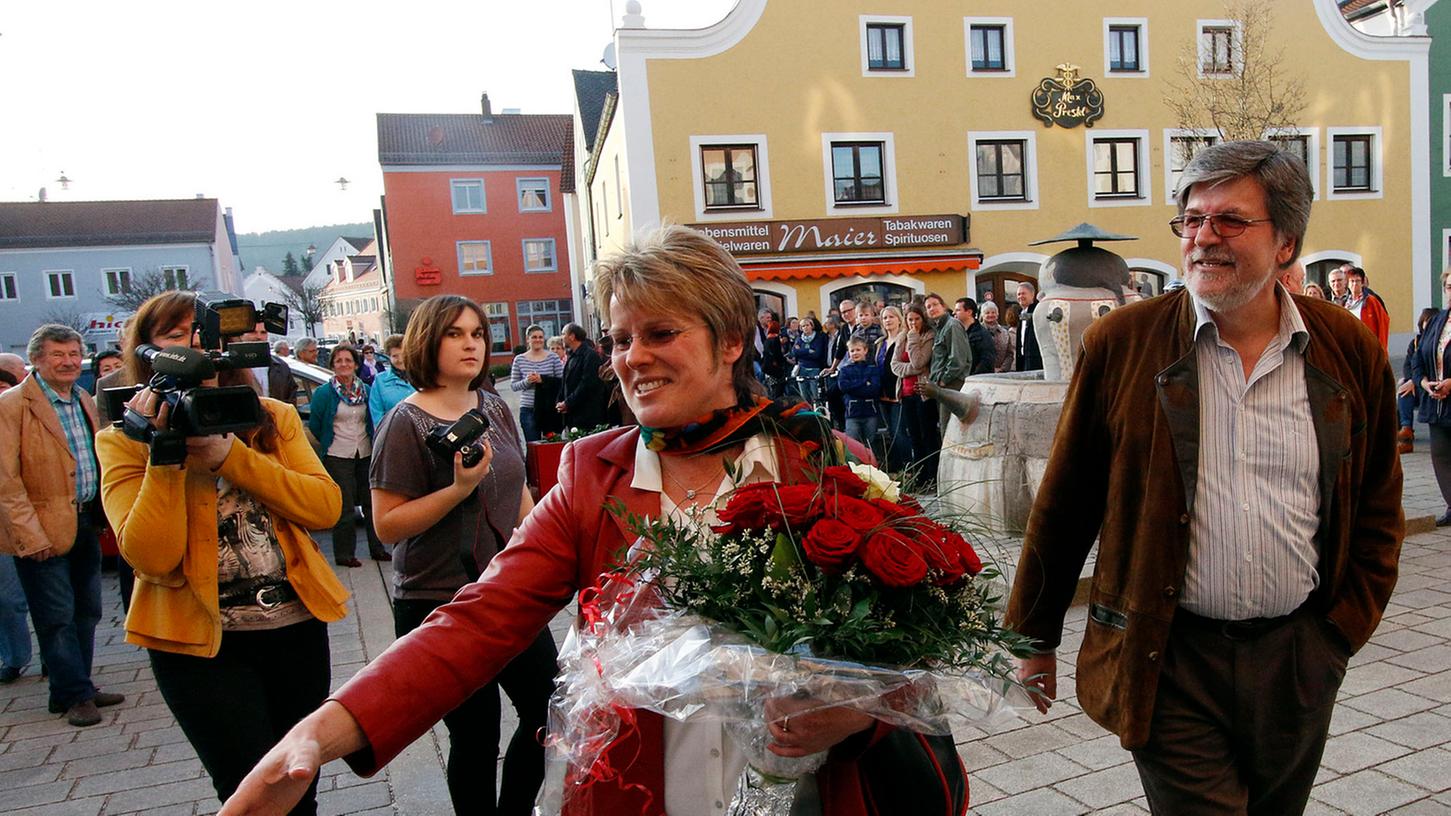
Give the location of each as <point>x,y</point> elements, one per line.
<point>468,478</point>
<point>281,777</point>
<point>1437,390</point>
<point>800,727</point>
<point>210,451</point>
<point>1405,389</point>
<point>149,404</point>
<point>533,379</point>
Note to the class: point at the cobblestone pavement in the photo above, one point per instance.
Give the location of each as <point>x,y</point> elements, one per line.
<point>1389,751</point>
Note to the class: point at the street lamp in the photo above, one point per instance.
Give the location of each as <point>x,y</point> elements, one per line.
<point>342,182</point>
<point>65,183</point>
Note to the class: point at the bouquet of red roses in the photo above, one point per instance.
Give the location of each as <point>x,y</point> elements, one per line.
<point>839,591</point>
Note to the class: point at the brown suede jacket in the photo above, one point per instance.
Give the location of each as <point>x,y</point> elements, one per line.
<point>1124,467</point>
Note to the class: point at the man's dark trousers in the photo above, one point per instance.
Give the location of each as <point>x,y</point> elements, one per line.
<point>64,594</point>
<point>1241,717</point>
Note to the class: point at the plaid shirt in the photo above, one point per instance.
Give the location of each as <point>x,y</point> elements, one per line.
<point>78,434</point>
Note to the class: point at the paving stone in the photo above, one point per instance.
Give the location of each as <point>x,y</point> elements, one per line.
<point>980,792</point>
<point>1029,741</point>
<point>45,794</point>
<point>1080,725</point>
<point>1109,786</point>
<point>1368,793</point>
<point>155,796</point>
<point>105,763</point>
<point>179,809</point>
<point>1351,752</point>
<point>131,779</point>
<point>1314,808</point>
<point>90,748</point>
<point>72,807</point>
<point>977,755</point>
<point>1345,719</point>
<point>1032,772</point>
<point>1390,703</point>
<point>1041,802</point>
<point>160,736</point>
<point>1425,807</point>
<point>1408,640</point>
<point>1374,676</point>
<point>1436,628</point>
<point>1429,769</point>
<point>1432,686</point>
<point>1421,730</point>
<point>34,775</point>
<point>171,752</point>
<point>349,800</point>
<point>22,759</point>
<point>1097,754</point>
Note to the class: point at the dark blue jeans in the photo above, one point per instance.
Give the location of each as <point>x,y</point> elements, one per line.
<point>64,594</point>
<point>1406,406</point>
<point>14,631</point>
<point>527,425</point>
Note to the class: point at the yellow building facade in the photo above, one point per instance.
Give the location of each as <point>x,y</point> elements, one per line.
<point>791,130</point>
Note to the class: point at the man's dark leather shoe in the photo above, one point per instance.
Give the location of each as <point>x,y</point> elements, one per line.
<point>9,674</point>
<point>108,698</point>
<point>1444,520</point>
<point>83,714</point>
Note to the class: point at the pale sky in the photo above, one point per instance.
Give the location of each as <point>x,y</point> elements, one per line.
<point>142,100</point>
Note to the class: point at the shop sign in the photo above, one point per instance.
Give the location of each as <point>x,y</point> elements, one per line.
<point>1067,100</point>
<point>829,234</point>
<point>426,274</point>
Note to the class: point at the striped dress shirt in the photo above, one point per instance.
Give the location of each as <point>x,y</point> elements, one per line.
<point>1252,549</point>
<point>78,435</point>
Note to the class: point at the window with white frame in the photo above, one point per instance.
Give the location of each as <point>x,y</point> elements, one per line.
<point>498,315</point>
<point>990,45</point>
<point>886,45</point>
<point>60,283</point>
<point>9,286</point>
<point>1001,170</point>
<point>1302,142</point>
<point>175,277</point>
<point>539,255</point>
<point>1353,163</point>
<point>115,281</point>
<point>533,194</point>
<point>1295,144</point>
<point>468,196</point>
<point>728,173</point>
<point>1180,147</point>
<point>1220,43</point>
<point>1118,171</point>
<point>475,258</point>
<point>856,173</point>
<point>1125,46</point>
<point>549,315</point>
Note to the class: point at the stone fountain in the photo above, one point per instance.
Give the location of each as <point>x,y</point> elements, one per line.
<point>998,439</point>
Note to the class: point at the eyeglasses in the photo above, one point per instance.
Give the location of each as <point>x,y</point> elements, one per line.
<point>1225,225</point>
<point>650,339</point>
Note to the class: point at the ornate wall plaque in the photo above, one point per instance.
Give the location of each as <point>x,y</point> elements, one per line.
<point>1066,100</point>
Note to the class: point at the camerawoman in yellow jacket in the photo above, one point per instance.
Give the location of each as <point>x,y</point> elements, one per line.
<point>232,595</point>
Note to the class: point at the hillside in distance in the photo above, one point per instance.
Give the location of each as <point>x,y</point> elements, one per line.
<point>267,249</point>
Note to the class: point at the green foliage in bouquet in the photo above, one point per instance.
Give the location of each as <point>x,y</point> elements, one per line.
<point>834,568</point>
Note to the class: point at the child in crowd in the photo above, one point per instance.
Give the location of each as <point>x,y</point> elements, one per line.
<point>861,385</point>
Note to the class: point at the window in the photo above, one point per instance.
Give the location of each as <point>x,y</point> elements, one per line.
<point>1295,144</point>
<point>856,173</point>
<point>884,47</point>
<point>533,194</point>
<point>1117,168</point>
<point>1000,170</point>
<point>550,315</point>
<point>468,196</point>
<point>1123,48</point>
<point>475,258</point>
<point>729,173</point>
<point>539,255</point>
<point>1351,163</point>
<point>1219,47</point>
<point>498,315</point>
<point>987,48</point>
<point>116,281</point>
<point>1181,147</point>
<point>9,289</point>
<point>60,284</point>
<point>174,277</point>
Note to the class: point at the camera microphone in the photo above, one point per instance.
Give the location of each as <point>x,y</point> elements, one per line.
<point>179,361</point>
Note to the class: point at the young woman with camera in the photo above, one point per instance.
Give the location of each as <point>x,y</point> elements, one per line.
<point>232,596</point>
<point>344,429</point>
<point>449,520</point>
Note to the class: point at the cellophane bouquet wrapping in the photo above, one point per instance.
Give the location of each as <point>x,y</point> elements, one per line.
<point>839,591</point>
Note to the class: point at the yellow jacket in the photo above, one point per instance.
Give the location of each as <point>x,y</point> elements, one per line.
<point>165,519</point>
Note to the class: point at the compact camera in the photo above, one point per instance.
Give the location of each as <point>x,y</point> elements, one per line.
<point>464,435</point>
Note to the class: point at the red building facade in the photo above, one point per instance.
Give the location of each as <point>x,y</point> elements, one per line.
<point>475,206</point>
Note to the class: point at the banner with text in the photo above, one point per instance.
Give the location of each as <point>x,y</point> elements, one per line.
<point>830,234</point>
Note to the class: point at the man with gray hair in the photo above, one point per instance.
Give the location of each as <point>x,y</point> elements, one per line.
<point>1233,451</point>
<point>306,350</point>
<point>50,516</point>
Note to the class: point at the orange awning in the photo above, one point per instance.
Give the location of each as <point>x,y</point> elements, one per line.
<point>850,267</point>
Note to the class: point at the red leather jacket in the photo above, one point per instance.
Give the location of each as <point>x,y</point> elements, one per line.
<point>562,547</point>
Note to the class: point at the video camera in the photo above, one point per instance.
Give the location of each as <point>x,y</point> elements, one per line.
<point>179,372</point>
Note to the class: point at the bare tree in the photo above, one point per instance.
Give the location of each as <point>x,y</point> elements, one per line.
<point>1234,83</point>
<point>308,304</point>
<point>67,317</point>
<point>141,288</point>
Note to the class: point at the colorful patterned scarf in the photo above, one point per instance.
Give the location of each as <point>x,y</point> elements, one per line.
<point>354,394</point>
<point>729,426</point>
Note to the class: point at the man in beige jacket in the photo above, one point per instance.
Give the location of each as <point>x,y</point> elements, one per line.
<point>49,513</point>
